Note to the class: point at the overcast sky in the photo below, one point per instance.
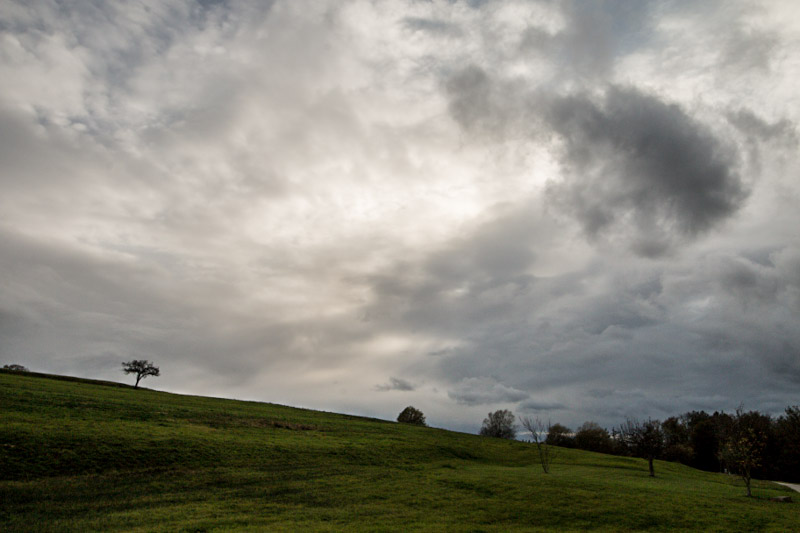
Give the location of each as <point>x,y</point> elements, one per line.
<point>573,210</point>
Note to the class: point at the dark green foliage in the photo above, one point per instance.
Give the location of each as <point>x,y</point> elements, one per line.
<point>592,437</point>
<point>787,435</point>
<point>676,440</point>
<point>411,415</point>
<point>560,435</point>
<point>15,368</point>
<point>499,424</point>
<point>744,443</point>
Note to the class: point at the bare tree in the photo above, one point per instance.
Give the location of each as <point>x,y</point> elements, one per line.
<point>142,368</point>
<point>499,424</point>
<point>411,415</point>
<point>539,432</point>
<point>643,439</point>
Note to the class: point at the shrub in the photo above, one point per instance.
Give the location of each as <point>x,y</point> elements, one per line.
<point>411,415</point>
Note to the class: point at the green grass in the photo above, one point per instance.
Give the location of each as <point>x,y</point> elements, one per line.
<point>77,455</point>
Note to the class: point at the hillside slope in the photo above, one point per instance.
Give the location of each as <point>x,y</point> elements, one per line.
<point>77,455</point>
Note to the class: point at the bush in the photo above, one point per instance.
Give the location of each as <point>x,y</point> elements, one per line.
<point>592,437</point>
<point>560,435</point>
<point>411,415</point>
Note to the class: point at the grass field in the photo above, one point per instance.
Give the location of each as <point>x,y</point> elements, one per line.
<point>77,455</point>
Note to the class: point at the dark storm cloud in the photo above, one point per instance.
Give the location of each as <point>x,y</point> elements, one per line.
<point>395,384</point>
<point>637,161</point>
<point>635,166</point>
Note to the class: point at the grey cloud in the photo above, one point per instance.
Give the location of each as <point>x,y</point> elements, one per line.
<point>395,384</point>
<point>748,50</point>
<point>642,327</point>
<point>636,168</point>
<point>538,405</point>
<point>434,26</point>
<point>753,125</point>
<point>595,35</point>
<point>484,391</point>
<point>472,102</point>
<point>642,164</point>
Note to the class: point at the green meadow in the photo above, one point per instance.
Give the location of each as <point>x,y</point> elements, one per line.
<point>80,455</point>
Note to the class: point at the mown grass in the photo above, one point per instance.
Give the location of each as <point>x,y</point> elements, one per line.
<point>85,456</point>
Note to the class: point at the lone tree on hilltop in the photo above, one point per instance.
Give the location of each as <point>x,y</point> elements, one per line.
<point>411,415</point>
<point>15,368</point>
<point>499,424</point>
<point>643,439</point>
<point>142,368</point>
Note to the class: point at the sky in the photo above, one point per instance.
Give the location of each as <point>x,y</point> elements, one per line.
<point>574,210</point>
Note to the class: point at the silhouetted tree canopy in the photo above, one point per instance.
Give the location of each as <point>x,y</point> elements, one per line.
<point>560,435</point>
<point>592,437</point>
<point>142,368</point>
<point>499,424</point>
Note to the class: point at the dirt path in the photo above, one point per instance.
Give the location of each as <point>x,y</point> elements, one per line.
<point>793,486</point>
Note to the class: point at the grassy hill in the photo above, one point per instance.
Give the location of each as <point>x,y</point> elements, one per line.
<point>78,455</point>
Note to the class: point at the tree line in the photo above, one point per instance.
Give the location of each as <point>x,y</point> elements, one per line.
<point>768,447</point>
<point>747,443</point>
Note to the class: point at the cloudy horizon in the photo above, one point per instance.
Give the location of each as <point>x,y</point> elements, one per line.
<point>573,210</point>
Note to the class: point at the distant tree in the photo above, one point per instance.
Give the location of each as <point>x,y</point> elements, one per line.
<point>560,435</point>
<point>539,432</point>
<point>643,439</point>
<point>743,447</point>
<point>499,424</point>
<point>592,437</point>
<point>411,415</point>
<point>787,430</point>
<point>704,438</point>
<point>142,368</point>
<point>676,440</point>
<point>15,368</point>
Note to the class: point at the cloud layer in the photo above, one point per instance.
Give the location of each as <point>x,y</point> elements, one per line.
<point>583,211</point>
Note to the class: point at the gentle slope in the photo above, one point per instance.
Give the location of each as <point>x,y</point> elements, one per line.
<point>77,455</point>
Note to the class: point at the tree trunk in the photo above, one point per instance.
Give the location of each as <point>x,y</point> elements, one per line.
<point>138,377</point>
<point>650,464</point>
